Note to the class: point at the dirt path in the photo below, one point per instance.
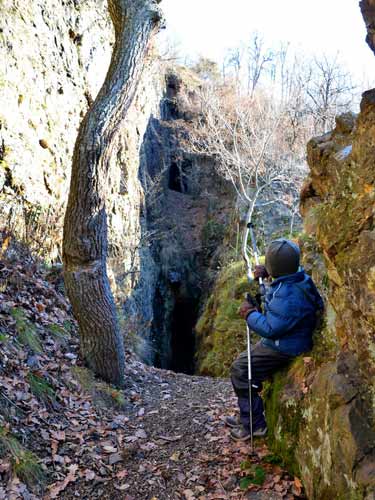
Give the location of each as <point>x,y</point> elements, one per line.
<point>65,435</point>
<point>176,446</point>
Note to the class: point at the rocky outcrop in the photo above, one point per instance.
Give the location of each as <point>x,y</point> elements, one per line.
<point>321,411</point>
<point>55,56</point>
<point>188,208</point>
<point>368,12</point>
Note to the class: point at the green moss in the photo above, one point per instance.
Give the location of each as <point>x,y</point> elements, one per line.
<point>59,333</point>
<point>25,464</point>
<point>104,395</point>
<point>26,330</point>
<point>221,332</point>
<point>28,469</point>
<point>3,338</point>
<point>283,420</point>
<point>40,387</point>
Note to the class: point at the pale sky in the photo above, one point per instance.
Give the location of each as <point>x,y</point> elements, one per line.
<point>210,27</point>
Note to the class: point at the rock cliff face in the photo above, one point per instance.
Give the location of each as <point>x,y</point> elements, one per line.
<point>368,12</point>
<point>327,407</point>
<point>163,227</point>
<point>54,57</point>
<point>188,207</point>
<point>322,410</point>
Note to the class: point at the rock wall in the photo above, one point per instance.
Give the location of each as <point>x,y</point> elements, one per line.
<point>188,208</point>
<point>368,12</point>
<point>321,411</point>
<point>55,56</point>
<point>333,392</point>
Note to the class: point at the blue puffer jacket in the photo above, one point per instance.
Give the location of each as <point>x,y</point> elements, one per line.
<point>289,318</point>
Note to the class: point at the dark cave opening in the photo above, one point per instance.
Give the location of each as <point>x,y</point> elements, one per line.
<point>176,179</point>
<point>180,175</point>
<point>184,318</point>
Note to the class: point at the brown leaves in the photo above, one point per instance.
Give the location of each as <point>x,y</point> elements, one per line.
<point>297,487</point>
<point>57,488</point>
<point>58,435</point>
<point>166,441</point>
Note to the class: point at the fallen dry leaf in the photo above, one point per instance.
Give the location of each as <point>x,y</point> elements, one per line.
<point>189,494</point>
<point>109,449</point>
<point>57,488</point>
<point>176,456</point>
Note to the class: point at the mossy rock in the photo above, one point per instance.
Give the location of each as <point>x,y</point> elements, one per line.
<point>283,409</point>
<point>221,332</point>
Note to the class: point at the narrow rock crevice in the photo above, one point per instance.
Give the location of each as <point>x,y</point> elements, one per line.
<point>183,321</point>
<point>184,197</point>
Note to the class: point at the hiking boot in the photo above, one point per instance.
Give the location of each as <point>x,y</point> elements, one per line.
<point>243,434</point>
<point>240,433</point>
<point>260,432</point>
<point>232,421</point>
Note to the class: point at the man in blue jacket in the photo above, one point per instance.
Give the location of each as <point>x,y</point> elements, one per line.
<point>286,328</point>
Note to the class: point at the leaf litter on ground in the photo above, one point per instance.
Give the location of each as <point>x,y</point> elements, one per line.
<point>160,442</point>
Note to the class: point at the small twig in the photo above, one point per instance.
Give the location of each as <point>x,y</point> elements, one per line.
<point>11,402</point>
<point>222,487</point>
<point>21,409</point>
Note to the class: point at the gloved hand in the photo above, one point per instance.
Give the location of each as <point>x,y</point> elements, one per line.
<point>260,272</point>
<point>245,309</point>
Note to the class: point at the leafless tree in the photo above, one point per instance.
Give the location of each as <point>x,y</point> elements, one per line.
<point>330,90</point>
<point>245,135</point>
<point>234,60</point>
<point>258,59</point>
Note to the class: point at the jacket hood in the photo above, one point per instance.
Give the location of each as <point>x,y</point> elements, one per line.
<point>298,277</point>
<point>305,283</point>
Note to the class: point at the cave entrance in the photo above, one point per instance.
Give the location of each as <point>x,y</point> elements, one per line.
<point>177,182</point>
<point>184,318</point>
<point>179,174</point>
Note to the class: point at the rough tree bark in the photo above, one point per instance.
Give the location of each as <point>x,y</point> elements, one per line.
<point>96,151</point>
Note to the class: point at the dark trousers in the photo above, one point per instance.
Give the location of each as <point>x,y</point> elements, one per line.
<point>265,361</point>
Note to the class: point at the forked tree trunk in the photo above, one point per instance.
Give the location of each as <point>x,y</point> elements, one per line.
<point>85,226</point>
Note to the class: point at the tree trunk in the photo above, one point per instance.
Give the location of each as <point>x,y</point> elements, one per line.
<point>85,226</point>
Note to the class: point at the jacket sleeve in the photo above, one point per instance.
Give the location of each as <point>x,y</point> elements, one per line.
<point>282,315</point>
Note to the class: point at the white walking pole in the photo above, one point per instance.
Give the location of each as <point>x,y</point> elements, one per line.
<point>250,278</point>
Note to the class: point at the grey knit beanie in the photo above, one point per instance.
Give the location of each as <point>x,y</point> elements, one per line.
<point>282,258</point>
